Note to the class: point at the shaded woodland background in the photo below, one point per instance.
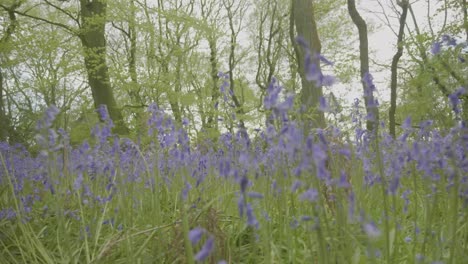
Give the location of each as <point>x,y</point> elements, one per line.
<point>78,55</point>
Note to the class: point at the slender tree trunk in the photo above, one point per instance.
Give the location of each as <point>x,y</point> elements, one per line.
<point>232,63</point>
<point>4,120</point>
<point>92,36</point>
<point>213,116</point>
<point>4,124</point>
<point>394,68</point>
<point>132,68</point>
<point>178,81</point>
<point>464,6</point>
<point>372,111</point>
<point>306,27</point>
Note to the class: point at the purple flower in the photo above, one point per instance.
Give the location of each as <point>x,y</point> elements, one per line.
<point>196,234</point>
<point>405,196</point>
<point>251,219</point>
<point>49,116</point>
<point>286,105</point>
<point>8,214</point>
<point>327,80</point>
<point>343,182</point>
<point>205,250</point>
<point>407,123</point>
<point>436,47</point>
<point>325,60</point>
<point>312,70</point>
<point>272,95</point>
<point>243,183</point>
<point>394,184</point>
<point>78,182</point>
<point>103,112</point>
<point>454,99</point>
<point>309,195</point>
<point>294,223</point>
<point>295,186</point>
<point>186,190</point>
<point>449,40</point>
<point>368,80</point>
<point>323,105</point>
<point>255,195</point>
<point>302,42</point>
<point>371,230</point>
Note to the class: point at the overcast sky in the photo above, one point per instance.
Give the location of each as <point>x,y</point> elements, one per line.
<point>382,40</point>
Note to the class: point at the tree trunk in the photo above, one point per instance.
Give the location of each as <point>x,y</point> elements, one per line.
<point>394,68</point>
<point>372,110</point>
<point>213,116</point>
<point>232,60</point>
<point>306,27</point>
<point>464,6</point>
<point>132,68</point>
<point>92,36</point>
<point>4,120</point>
<point>4,124</point>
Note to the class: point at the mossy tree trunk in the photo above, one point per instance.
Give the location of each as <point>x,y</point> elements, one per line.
<point>92,36</point>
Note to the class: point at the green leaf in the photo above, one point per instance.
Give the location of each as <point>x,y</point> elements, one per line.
<point>188,99</point>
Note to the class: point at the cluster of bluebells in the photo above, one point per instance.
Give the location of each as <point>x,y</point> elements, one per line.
<point>282,150</point>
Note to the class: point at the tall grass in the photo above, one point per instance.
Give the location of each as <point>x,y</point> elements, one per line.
<point>279,196</point>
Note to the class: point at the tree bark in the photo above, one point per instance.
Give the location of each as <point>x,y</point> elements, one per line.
<point>232,57</point>
<point>4,120</point>
<point>213,116</point>
<point>132,59</point>
<point>464,7</point>
<point>306,27</point>
<point>4,124</point>
<point>92,36</point>
<point>394,68</point>
<point>372,111</point>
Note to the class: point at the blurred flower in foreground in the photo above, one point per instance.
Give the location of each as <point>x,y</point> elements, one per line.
<point>196,234</point>
<point>455,99</point>
<point>309,195</point>
<point>206,250</point>
<point>371,230</point>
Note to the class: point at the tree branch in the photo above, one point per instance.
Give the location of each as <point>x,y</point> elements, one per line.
<point>63,26</point>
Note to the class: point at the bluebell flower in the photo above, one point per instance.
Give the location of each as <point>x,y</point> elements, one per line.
<point>255,195</point>
<point>454,99</point>
<point>436,48</point>
<point>206,250</point>
<point>309,195</point>
<point>371,230</point>
<point>251,219</point>
<point>196,234</point>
